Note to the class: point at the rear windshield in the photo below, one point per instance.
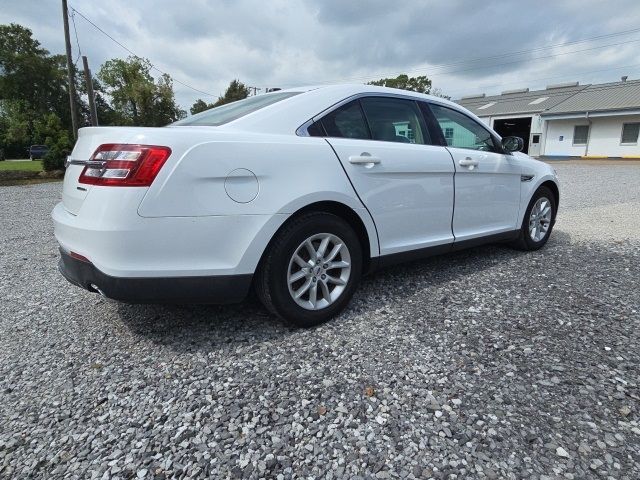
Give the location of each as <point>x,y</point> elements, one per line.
<point>232,111</point>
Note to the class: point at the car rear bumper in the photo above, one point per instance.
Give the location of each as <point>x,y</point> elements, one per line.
<point>120,243</point>
<point>218,289</point>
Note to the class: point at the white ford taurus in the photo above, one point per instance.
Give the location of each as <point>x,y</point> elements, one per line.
<point>296,193</point>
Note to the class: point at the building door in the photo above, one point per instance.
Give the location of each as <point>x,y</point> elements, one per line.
<point>534,145</point>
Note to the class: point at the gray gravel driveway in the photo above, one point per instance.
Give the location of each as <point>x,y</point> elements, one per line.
<point>488,363</point>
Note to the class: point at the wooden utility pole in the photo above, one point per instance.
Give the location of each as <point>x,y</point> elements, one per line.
<point>92,100</point>
<point>72,88</point>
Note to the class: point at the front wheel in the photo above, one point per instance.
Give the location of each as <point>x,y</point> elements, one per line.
<point>538,220</point>
<point>311,269</point>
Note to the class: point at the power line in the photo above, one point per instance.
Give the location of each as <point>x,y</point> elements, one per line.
<point>138,56</point>
<point>442,66</point>
<point>480,67</point>
<point>540,58</point>
<point>572,75</point>
<point>553,92</point>
<point>474,102</point>
<point>75,31</point>
<point>532,50</point>
<point>431,68</point>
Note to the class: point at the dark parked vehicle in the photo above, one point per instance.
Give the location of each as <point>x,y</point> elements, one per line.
<point>37,151</point>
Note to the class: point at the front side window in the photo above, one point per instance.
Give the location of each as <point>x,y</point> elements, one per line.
<point>461,131</point>
<point>395,120</point>
<point>630,133</point>
<point>580,134</point>
<point>232,111</point>
<point>346,121</point>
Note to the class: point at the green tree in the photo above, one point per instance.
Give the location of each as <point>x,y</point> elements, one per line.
<point>15,122</point>
<point>437,92</point>
<point>199,106</point>
<point>165,110</point>
<point>30,74</point>
<point>50,132</point>
<point>419,84</point>
<point>106,114</point>
<point>25,66</point>
<point>136,97</point>
<point>32,85</point>
<point>235,91</point>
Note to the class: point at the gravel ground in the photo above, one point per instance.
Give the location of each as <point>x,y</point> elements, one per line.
<point>488,363</point>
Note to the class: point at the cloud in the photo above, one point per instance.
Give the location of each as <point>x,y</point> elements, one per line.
<point>293,42</point>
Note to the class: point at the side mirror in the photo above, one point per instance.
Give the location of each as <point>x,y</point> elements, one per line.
<point>512,144</point>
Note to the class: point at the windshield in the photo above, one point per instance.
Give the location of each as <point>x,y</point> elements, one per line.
<point>232,111</point>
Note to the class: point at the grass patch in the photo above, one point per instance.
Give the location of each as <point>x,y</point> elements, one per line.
<point>28,166</point>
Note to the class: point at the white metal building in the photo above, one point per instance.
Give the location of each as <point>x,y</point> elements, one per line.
<point>568,119</point>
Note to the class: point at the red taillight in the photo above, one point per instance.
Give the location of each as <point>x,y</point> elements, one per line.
<point>123,165</point>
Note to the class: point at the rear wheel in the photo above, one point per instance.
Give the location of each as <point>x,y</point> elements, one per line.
<point>538,220</point>
<point>311,270</point>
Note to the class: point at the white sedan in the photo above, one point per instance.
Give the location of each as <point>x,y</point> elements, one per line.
<point>297,193</point>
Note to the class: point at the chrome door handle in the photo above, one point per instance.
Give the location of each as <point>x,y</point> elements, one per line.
<point>468,162</point>
<point>363,159</point>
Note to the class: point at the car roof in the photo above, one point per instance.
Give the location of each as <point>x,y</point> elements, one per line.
<point>289,114</point>
<point>355,88</point>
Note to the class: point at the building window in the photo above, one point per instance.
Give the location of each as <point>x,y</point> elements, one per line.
<point>580,134</point>
<point>535,139</point>
<point>448,134</point>
<point>630,133</point>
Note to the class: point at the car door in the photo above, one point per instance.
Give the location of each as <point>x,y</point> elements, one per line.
<point>487,181</point>
<point>405,182</point>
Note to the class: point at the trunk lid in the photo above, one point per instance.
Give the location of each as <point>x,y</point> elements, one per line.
<point>74,193</point>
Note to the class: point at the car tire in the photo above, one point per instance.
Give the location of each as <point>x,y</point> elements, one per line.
<point>532,236</point>
<point>281,275</point>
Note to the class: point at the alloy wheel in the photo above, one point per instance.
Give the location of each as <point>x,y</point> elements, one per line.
<point>540,219</point>
<point>319,271</point>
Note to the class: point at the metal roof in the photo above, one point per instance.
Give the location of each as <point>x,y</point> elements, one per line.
<point>519,101</point>
<point>605,96</point>
<point>558,99</point>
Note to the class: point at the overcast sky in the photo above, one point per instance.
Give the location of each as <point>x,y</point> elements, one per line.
<point>281,43</point>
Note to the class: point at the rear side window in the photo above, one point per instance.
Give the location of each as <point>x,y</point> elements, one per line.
<point>315,130</point>
<point>460,131</point>
<point>395,120</point>
<point>346,121</point>
<point>232,111</point>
